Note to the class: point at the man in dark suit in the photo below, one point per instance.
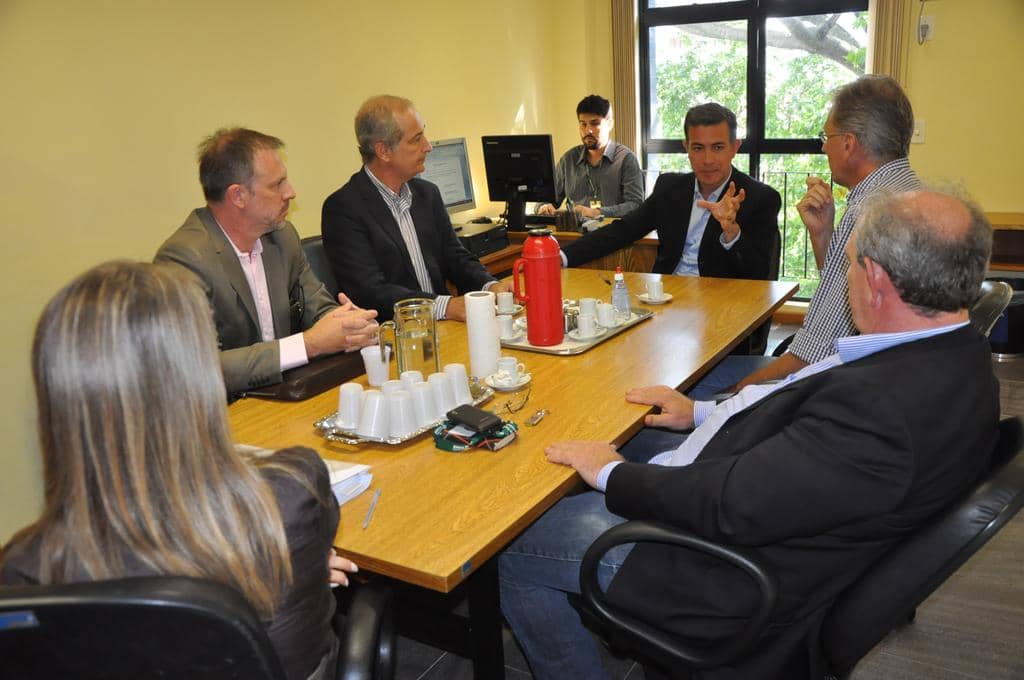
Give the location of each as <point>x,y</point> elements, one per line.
<point>714,221</point>
<point>386,232</point>
<point>271,311</point>
<point>817,476</point>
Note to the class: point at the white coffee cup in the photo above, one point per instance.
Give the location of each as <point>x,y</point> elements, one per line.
<point>460,383</point>
<point>401,416</point>
<point>377,371</point>
<point>410,378</point>
<point>588,306</point>
<point>506,326</point>
<point>655,289</point>
<point>509,371</point>
<point>506,303</point>
<point>424,405</point>
<point>444,394</point>
<point>350,400</point>
<point>373,421</point>
<point>606,315</point>
<point>586,326</point>
<point>392,386</point>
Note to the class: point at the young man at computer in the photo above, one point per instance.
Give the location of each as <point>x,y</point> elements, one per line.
<point>599,178</point>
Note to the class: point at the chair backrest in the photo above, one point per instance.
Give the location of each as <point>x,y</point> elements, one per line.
<point>313,246</point>
<point>125,629</point>
<point>994,298</point>
<point>892,588</point>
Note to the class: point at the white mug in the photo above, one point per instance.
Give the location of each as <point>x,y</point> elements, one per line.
<point>377,371</point>
<point>606,315</point>
<point>585,325</point>
<point>510,371</point>
<point>506,305</point>
<point>655,289</point>
<point>373,421</point>
<point>350,399</point>
<point>506,326</point>
<point>588,306</point>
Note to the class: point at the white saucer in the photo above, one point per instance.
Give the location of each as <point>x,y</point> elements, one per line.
<point>514,337</point>
<point>524,380</point>
<point>666,297</point>
<point>515,310</point>
<point>575,334</point>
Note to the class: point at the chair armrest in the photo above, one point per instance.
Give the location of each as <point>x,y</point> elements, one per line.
<point>650,638</point>
<point>367,649</point>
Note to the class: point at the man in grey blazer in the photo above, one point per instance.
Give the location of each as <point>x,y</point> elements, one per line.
<point>271,311</point>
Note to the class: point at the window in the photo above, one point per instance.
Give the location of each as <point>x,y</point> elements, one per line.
<point>774,63</point>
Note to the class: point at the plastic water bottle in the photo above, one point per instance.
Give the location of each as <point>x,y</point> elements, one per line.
<point>620,296</point>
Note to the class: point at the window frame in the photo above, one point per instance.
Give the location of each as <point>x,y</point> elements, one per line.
<point>756,13</point>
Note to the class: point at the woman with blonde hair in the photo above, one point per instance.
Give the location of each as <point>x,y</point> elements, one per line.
<point>141,476</point>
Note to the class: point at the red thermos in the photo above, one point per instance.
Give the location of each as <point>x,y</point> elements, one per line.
<point>543,298</point>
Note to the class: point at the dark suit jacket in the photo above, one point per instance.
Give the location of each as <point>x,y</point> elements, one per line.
<point>668,209</point>
<point>301,628</point>
<point>818,480</point>
<point>248,362</point>
<point>369,257</point>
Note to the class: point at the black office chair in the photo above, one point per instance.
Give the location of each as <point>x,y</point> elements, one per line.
<point>313,246</point>
<point>165,627</point>
<point>994,298</point>
<point>885,596</point>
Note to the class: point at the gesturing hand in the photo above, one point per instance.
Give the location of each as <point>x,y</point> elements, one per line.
<point>724,211</point>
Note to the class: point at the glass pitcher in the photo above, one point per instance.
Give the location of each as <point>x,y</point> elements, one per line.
<point>413,334</point>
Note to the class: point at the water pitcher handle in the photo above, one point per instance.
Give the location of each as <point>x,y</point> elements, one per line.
<point>385,328</point>
<point>517,269</point>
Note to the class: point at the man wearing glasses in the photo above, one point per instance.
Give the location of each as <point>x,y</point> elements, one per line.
<point>867,139</point>
<point>599,178</point>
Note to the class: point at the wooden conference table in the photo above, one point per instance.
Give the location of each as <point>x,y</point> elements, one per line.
<point>441,517</point>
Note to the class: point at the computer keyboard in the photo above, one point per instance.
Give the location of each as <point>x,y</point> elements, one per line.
<point>540,219</point>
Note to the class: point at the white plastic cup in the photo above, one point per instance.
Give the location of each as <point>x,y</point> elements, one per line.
<point>655,289</point>
<point>588,306</point>
<point>401,416</point>
<point>506,326</point>
<point>377,371</point>
<point>410,378</point>
<point>350,399</point>
<point>460,383</point>
<point>585,325</point>
<point>424,405</point>
<point>444,395</point>
<point>392,386</point>
<point>606,315</point>
<point>373,421</point>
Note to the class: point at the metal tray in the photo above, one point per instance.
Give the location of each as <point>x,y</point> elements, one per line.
<point>568,346</point>
<point>329,430</point>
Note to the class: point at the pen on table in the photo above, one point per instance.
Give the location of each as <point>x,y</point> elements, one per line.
<point>373,506</point>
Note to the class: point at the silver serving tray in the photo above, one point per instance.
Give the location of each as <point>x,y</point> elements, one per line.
<point>329,430</point>
<point>568,346</point>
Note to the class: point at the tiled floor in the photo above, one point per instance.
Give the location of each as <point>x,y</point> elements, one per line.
<point>971,627</point>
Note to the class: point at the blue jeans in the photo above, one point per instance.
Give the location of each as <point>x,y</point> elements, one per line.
<point>727,373</point>
<point>537,570</point>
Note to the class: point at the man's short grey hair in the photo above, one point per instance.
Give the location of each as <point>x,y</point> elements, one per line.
<point>876,110</point>
<point>376,122</point>
<point>933,267</point>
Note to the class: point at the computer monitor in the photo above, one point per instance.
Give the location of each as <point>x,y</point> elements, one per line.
<point>520,168</point>
<point>447,166</point>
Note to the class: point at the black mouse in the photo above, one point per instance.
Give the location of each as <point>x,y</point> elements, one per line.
<point>481,220</point>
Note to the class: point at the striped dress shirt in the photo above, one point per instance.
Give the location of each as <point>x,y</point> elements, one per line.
<point>828,315</point>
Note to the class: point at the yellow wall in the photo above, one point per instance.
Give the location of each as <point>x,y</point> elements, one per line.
<point>104,102</point>
<point>967,85</point>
